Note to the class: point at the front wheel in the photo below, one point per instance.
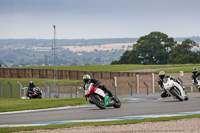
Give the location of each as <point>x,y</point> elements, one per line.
<point>98,101</point>
<point>117,102</point>
<point>177,94</point>
<point>186,96</point>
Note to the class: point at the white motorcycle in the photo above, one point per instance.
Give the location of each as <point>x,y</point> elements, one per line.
<point>175,89</point>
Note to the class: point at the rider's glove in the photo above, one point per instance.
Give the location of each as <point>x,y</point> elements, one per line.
<point>197,86</point>
<point>95,85</point>
<point>161,88</point>
<point>194,83</point>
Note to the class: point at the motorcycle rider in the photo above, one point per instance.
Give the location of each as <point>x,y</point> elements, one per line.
<point>195,76</point>
<point>30,88</point>
<point>162,76</point>
<point>87,80</point>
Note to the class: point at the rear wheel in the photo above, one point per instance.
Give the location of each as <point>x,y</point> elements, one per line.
<point>177,94</point>
<point>117,102</point>
<point>98,101</point>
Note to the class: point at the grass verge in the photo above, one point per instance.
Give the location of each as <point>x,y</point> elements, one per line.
<point>134,121</point>
<point>7,105</point>
<point>30,104</point>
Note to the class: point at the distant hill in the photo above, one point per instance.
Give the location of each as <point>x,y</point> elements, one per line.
<point>76,42</point>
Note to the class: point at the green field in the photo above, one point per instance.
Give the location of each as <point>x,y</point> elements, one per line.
<point>177,70</point>
<point>104,68</point>
<point>38,82</point>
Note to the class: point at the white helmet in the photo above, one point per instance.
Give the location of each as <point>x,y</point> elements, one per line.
<point>86,78</point>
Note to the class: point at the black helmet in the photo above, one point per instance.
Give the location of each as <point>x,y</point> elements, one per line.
<point>194,70</point>
<point>86,78</point>
<point>31,83</point>
<point>161,74</point>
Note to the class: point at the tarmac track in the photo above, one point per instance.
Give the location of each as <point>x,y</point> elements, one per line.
<point>140,105</point>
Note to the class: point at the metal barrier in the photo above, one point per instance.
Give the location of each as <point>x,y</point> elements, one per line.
<point>147,88</point>
<point>47,92</point>
<point>131,88</point>
<point>58,90</point>
<point>10,89</point>
<point>1,90</point>
<point>115,89</point>
<point>49,87</point>
<point>70,89</point>
<point>20,95</point>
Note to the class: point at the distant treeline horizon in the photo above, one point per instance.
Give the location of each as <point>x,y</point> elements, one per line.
<point>81,42</point>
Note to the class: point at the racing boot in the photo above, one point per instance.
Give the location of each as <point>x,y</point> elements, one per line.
<point>106,100</point>
<point>103,87</point>
<point>164,94</point>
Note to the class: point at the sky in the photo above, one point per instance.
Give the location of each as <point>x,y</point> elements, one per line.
<point>93,19</point>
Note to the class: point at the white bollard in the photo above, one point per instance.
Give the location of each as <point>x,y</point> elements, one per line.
<point>138,82</point>
<point>191,88</point>
<point>153,82</point>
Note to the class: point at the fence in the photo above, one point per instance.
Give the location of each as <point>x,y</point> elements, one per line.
<point>15,90</point>
<point>9,90</point>
<point>141,83</point>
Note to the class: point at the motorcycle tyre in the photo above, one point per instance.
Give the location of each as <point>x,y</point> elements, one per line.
<point>186,97</point>
<point>40,96</point>
<point>176,94</point>
<point>117,102</point>
<point>96,101</point>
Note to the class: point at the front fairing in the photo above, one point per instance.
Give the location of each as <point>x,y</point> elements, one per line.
<point>89,89</point>
<point>168,84</point>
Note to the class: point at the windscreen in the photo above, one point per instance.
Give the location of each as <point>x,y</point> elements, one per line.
<point>165,80</point>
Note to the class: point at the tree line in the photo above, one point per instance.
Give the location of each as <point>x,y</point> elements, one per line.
<point>158,48</point>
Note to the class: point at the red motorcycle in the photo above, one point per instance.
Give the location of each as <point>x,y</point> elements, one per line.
<point>36,93</point>
<point>98,97</point>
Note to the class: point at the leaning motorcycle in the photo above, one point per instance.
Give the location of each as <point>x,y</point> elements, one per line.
<point>36,93</point>
<point>198,85</point>
<point>98,97</point>
<point>175,89</point>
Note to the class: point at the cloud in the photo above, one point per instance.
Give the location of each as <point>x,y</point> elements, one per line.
<point>98,18</point>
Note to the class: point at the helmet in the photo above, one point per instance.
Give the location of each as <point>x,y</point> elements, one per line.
<point>31,83</point>
<point>194,70</point>
<point>86,78</point>
<point>161,74</point>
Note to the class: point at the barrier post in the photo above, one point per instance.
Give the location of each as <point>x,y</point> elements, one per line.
<point>49,89</point>
<point>138,82</point>
<point>70,90</point>
<point>10,89</point>
<point>147,88</point>
<point>131,88</point>
<point>1,90</point>
<point>153,82</point>
<point>115,89</point>
<point>20,89</point>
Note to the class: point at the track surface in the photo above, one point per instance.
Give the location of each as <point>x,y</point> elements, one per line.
<point>152,104</point>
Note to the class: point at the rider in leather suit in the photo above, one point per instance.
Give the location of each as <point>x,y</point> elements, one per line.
<point>160,83</point>
<point>195,75</point>
<point>87,79</point>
